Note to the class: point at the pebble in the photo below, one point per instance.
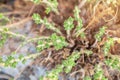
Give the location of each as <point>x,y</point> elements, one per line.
<point>32,49</point>
<point>33,77</point>
<point>11,71</point>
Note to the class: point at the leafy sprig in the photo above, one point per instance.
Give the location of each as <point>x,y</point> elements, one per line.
<point>39,20</point>
<point>68,25</point>
<point>36,1</point>
<point>57,41</point>
<point>113,62</point>
<point>99,35</point>
<point>76,13</point>
<point>66,66</point>
<point>3,17</point>
<point>99,73</point>
<point>3,37</point>
<point>87,78</point>
<point>78,30</point>
<point>51,5</point>
<point>88,52</point>
<point>12,60</point>
<point>107,46</point>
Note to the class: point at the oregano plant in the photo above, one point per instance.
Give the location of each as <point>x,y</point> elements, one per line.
<point>74,38</point>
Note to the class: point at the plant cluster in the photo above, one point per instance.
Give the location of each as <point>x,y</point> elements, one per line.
<point>4,20</point>
<point>13,59</point>
<point>51,5</point>
<point>113,62</point>
<point>10,61</point>
<point>107,46</point>
<point>99,73</point>
<point>59,41</point>
<point>87,78</point>
<point>38,20</point>
<point>3,17</point>
<point>99,35</point>
<point>66,66</point>
<point>3,37</point>
<point>79,31</point>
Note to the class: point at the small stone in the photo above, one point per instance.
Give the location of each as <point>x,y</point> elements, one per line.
<point>32,49</point>
<point>10,71</point>
<point>32,77</point>
<point>23,78</point>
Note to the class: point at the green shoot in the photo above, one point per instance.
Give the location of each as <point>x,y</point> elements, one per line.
<point>68,25</point>
<point>42,45</point>
<point>108,45</point>
<point>3,38</point>
<point>57,41</point>
<point>3,17</point>
<point>38,20</point>
<point>66,66</point>
<point>99,73</point>
<point>99,35</point>
<point>36,1</point>
<point>79,26</point>
<point>12,60</point>
<point>88,52</point>
<point>113,62</point>
<point>51,5</point>
<point>87,78</point>
<point>76,13</point>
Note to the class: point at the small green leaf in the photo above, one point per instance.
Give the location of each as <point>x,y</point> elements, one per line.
<point>36,18</point>
<point>51,6</point>
<point>66,66</point>
<point>41,45</point>
<point>88,52</point>
<point>107,46</point>
<point>99,73</point>
<point>36,1</point>
<point>100,33</point>
<point>68,24</point>
<point>48,9</point>
<point>58,41</point>
<point>113,62</point>
<point>76,13</point>
<point>1,16</point>
<point>87,78</point>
